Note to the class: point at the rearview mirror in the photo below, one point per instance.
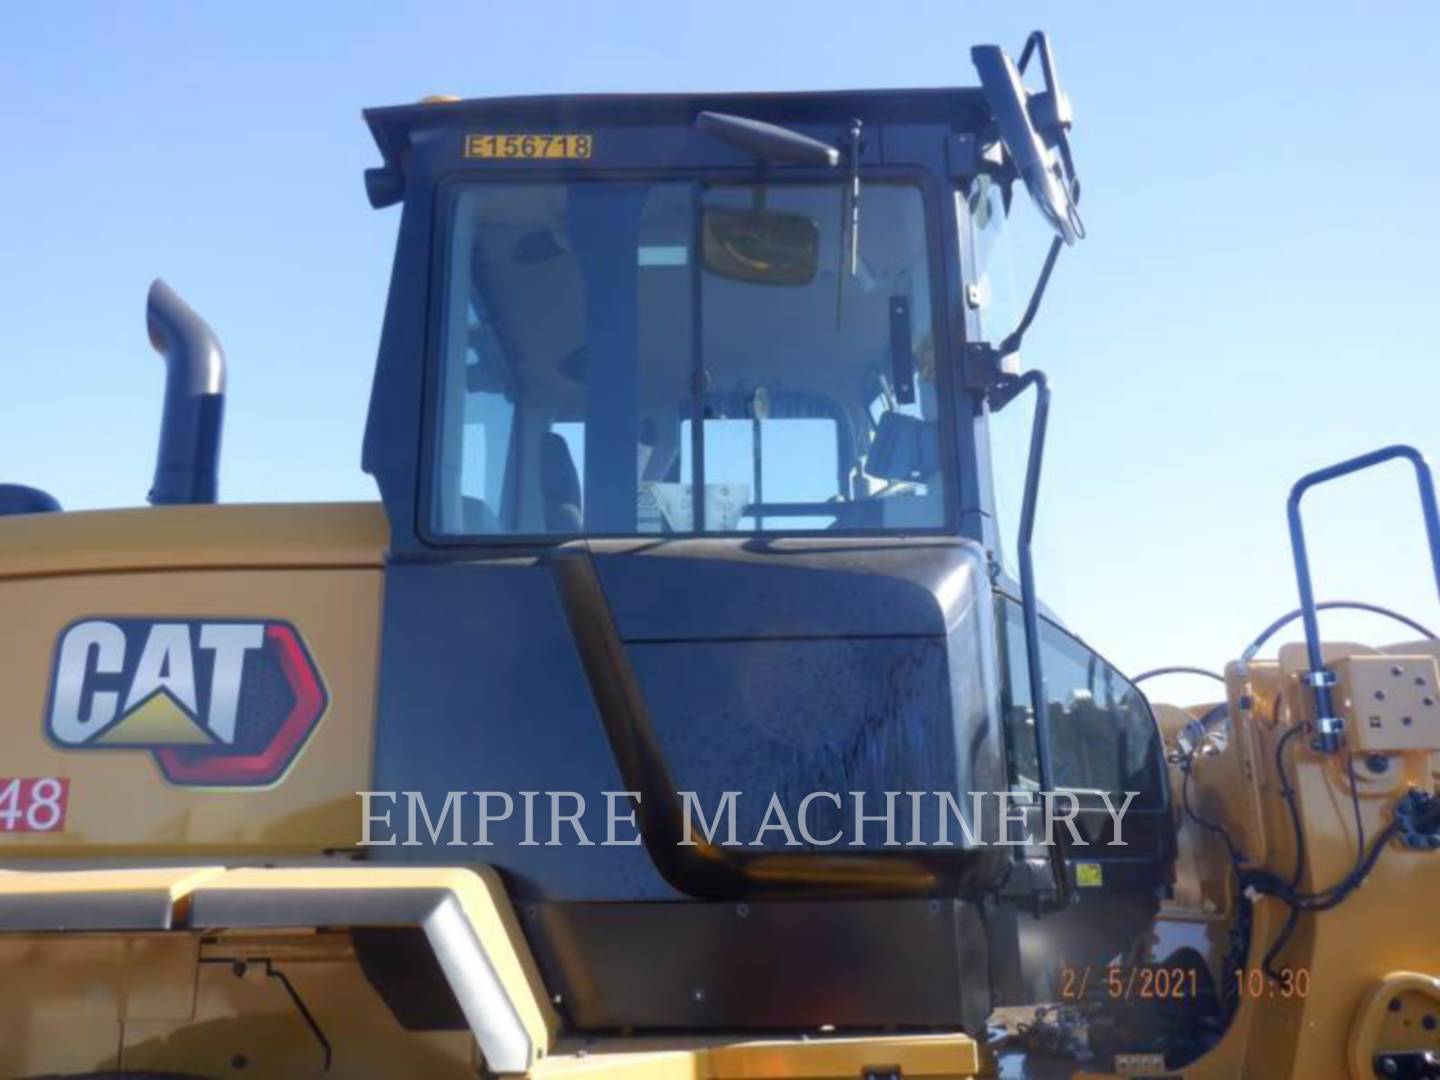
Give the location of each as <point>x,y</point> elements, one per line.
<point>1047,172</point>
<point>762,247</point>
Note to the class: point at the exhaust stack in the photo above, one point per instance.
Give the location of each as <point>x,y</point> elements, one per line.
<point>188,460</point>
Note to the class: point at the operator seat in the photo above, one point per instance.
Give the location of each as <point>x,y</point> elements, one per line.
<point>904,448</point>
<point>19,499</point>
<point>559,486</point>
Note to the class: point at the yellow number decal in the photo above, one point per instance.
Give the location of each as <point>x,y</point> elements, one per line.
<point>529,146</point>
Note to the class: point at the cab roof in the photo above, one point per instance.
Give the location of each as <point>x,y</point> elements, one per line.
<point>960,109</point>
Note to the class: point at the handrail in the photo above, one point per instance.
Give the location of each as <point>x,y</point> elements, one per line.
<point>1005,392</point>
<point>1329,728</point>
<point>1177,669</point>
<point>699,867</point>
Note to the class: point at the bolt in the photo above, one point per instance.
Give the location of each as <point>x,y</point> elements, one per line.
<point>698,995</point>
<point>1395,1005</point>
<point>1419,680</point>
<point>742,910</point>
<point>1397,670</point>
<point>1389,1067</point>
<point>1407,720</point>
<point>1428,1023</point>
<point>1427,701</point>
<point>239,1061</point>
<point>1377,763</point>
<point>238,969</point>
<point>1379,695</point>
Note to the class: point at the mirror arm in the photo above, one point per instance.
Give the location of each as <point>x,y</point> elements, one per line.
<point>1011,344</point>
<point>985,366</point>
<point>1038,42</point>
<point>1036,36</point>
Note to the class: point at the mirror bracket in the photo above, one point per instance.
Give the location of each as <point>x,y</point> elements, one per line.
<point>1051,113</point>
<point>986,367</point>
<point>969,155</point>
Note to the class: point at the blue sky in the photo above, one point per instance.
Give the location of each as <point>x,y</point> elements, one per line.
<point>1256,298</point>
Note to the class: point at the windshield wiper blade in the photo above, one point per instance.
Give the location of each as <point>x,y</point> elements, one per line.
<point>849,223</point>
<point>854,191</point>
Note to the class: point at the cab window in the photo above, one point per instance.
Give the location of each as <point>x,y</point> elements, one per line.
<point>678,356</point>
<point>1103,737</point>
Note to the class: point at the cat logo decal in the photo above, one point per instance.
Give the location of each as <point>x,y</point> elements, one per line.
<point>218,703</point>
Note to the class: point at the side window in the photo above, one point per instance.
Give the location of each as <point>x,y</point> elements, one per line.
<point>1102,735</point>
<point>1008,252</point>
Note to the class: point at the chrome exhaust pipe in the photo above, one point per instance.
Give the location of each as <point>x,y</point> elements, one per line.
<point>188,460</point>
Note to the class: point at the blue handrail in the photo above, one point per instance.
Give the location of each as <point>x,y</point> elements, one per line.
<point>1329,729</point>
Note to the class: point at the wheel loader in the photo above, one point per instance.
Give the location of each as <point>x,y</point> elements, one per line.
<point>682,708</point>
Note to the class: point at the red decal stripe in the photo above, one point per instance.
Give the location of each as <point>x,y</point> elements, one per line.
<point>212,767</point>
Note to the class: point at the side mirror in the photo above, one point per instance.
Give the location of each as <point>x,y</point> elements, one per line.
<point>762,247</point>
<point>1047,170</point>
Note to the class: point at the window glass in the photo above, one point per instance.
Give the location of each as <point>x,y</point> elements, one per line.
<point>1102,734</point>
<point>1009,251</point>
<point>579,317</point>
<point>794,462</point>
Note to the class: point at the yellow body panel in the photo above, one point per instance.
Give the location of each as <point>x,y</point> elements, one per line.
<point>276,1000</point>
<point>281,1000</point>
<point>316,567</point>
<point>482,897</point>
<point>205,1006</point>
<point>292,1002</point>
<point>322,535</point>
<point>1376,947</point>
<point>951,1056</point>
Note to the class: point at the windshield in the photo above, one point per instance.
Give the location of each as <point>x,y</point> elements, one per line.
<point>681,357</point>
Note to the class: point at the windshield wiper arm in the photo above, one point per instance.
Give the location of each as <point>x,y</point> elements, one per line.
<point>767,142</point>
